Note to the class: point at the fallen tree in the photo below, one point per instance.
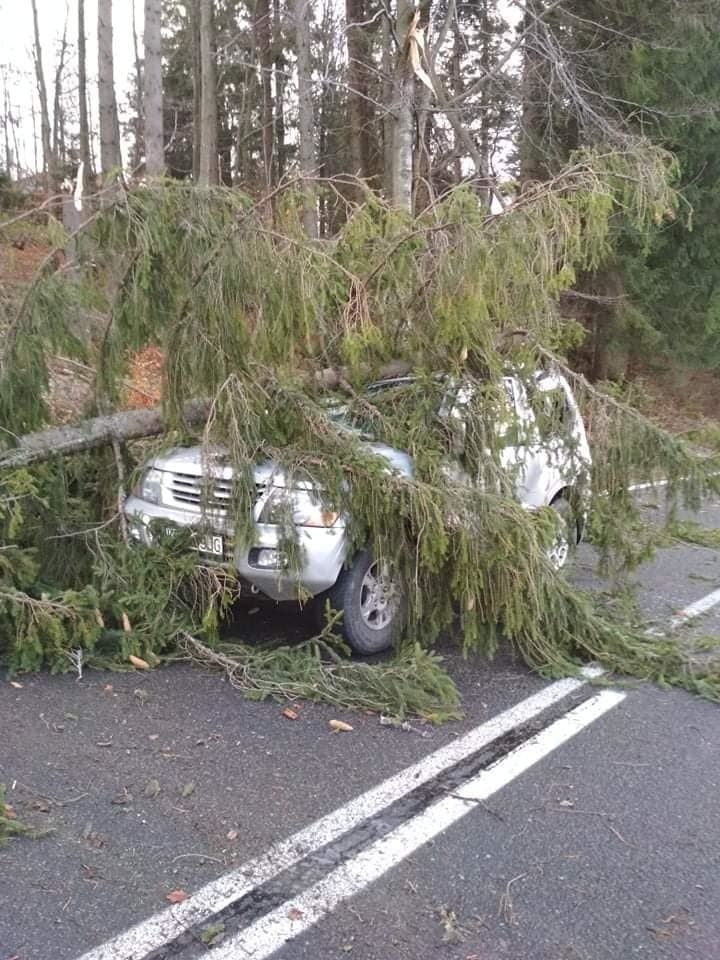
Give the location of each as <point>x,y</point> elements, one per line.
<point>97,432</point>
<point>252,314</point>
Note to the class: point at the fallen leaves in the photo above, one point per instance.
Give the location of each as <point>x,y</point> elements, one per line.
<point>232,835</point>
<point>213,934</point>
<point>188,790</point>
<point>177,896</point>
<point>339,726</point>
<point>295,914</point>
<point>290,714</point>
<point>14,683</point>
<point>138,662</point>
<point>152,789</point>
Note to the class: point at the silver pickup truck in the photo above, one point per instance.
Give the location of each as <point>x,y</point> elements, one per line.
<point>547,456</point>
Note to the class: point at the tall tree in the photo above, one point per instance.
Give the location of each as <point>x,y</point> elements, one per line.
<point>48,158</point>
<point>356,33</point>
<point>110,156</point>
<point>263,40</point>
<point>306,118</point>
<point>196,71</point>
<point>137,123</point>
<point>279,73</point>
<point>82,98</point>
<point>403,112</point>
<point>152,90</point>
<point>58,138</point>
<point>208,173</point>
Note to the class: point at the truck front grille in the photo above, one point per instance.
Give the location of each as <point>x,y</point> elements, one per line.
<point>195,491</point>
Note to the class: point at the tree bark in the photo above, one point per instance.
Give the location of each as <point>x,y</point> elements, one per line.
<point>82,99</point>
<point>306,119</point>
<point>387,93</point>
<point>110,157</point>
<point>58,140</point>
<point>279,71</point>
<point>263,41</point>
<point>48,159</point>
<point>358,76</point>
<point>138,104</point>
<point>193,9</point>
<point>152,90</point>
<point>535,99</point>
<point>403,95</point>
<point>208,174</point>
<point>97,432</point>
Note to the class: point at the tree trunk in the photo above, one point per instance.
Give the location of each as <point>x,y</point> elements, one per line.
<point>48,158</point>
<point>97,432</point>
<point>82,99</point>
<point>358,76</point>
<point>387,93</point>
<point>403,95</point>
<point>535,94</point>
<point>138,104</point>
<point>263,41</point>
<point>208,175</point>
<point>403,91</point>
<point>152,90</point>
<point>58,142</point>
<point>194,18</point>
<point>110,157</point>
<point>306,119</point>
<point>279,71</point>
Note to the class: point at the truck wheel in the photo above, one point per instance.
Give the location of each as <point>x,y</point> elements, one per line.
<point>371,603</point>
<point>562,550</point>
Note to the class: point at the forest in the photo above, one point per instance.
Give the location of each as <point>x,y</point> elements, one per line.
<point>284,201</point>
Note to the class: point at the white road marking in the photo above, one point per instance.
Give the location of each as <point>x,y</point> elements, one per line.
<point>647,486</point>
<point>164,926</point>
<point>271,931</point>
<point>696,609</point>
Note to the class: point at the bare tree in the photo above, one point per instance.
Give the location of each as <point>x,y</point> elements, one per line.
<point>58,139</point>
<point>110,157</point>
<point>48,158</point>
<point>208,173</point>
<point>306,119</point>
<point>153,98</point>
<point>82,98</point>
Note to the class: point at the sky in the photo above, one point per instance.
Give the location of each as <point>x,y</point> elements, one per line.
<point>16,44</point>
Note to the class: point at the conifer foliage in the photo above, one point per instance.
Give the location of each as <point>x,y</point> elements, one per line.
<point>258,319</point>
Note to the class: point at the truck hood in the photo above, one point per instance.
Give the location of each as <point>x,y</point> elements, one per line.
<point>199,462</point>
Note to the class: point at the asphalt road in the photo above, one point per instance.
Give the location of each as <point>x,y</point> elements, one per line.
<point>557,839</point>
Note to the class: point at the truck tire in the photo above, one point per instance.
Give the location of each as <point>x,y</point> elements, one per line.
<point>371,603</point>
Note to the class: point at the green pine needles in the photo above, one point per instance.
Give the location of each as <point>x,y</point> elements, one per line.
<point>252,315</point>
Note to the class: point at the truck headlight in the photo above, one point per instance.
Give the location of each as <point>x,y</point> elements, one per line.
<point>148,486</point>
<point>301,507</point>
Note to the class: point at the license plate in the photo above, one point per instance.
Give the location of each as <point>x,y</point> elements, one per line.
<point>211,544</point>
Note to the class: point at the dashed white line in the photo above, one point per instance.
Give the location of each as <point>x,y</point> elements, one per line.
<point>271,931</point>
<point>696,609</point>
<point>163,927</point>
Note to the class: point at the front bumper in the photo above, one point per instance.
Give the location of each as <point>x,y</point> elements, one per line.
<point>323,549</point>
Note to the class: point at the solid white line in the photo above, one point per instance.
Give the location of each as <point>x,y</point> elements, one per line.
<point>270,932</point>
<point>164,926</point>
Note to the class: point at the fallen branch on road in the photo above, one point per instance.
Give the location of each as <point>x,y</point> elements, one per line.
<point>413,684</point>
